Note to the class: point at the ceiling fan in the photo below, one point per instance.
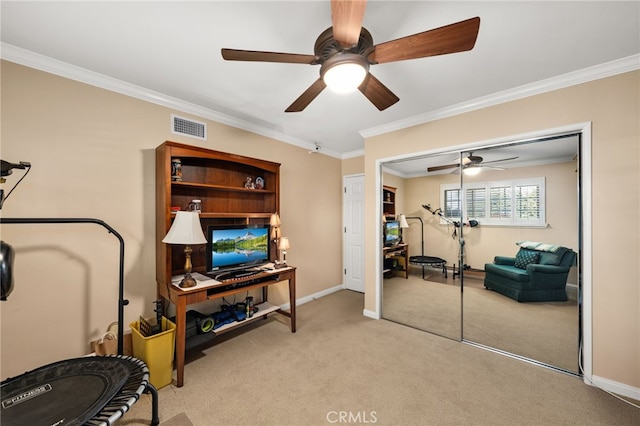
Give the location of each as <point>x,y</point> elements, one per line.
<point>470,161</point>
<point>348,47</point>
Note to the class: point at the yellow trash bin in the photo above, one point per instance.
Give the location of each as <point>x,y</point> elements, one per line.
<point>156,351</point>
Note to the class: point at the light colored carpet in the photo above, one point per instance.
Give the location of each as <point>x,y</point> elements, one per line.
<point>543,331</point>
<point>425,305</point>
<point>179,420</point>
<point>342,363</point>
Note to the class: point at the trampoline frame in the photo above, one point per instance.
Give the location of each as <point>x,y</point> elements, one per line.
<point>423,260</point>
<point>122,302</point>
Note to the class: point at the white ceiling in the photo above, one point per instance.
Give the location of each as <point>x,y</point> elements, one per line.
<point>169,53</point>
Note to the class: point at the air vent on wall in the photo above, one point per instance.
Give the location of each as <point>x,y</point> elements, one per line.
<point>183,126</point>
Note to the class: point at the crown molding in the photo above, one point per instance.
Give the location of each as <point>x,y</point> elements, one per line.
<point>608,69</point>
<point>353,154</point>
<point>53,66</point>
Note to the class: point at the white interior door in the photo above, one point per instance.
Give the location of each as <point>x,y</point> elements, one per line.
<point>353,220</point>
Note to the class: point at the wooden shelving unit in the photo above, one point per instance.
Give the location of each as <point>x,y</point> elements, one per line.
<point>218,179</point>
<point>389,201</point>
<point>399,253</point>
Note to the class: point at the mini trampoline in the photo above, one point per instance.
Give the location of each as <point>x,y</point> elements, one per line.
<point>423,260</point>
<point>429,261</point>
<point>91,390</point>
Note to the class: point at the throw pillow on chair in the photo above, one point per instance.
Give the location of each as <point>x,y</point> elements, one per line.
<point>525,257</point>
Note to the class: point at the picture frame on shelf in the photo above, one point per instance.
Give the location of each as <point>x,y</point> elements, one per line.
<point>259,183</point>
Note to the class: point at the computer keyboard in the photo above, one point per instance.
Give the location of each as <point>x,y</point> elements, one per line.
<point>231,275</point>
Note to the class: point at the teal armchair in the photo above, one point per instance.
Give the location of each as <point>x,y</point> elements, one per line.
<point>538,273</point>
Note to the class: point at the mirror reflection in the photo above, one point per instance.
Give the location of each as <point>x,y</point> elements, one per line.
<point>504,221</point>
<point>419,289</point>
<point>521,289</point>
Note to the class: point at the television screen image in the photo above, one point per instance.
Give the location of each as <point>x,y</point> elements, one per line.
<point>237,246</point>
<point>391,232</point>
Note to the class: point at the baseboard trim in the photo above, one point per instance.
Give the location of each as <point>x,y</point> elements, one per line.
<point>314,296</point>
<point>370,314</point>
<point>615,387</point>
<point>326,292</point>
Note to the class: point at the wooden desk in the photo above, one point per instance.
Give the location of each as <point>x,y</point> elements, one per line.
<point>182,298</point>
<point>400,251</point>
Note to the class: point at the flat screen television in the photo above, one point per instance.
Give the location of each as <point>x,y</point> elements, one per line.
<point>237,247</point>
<point>391,232</point>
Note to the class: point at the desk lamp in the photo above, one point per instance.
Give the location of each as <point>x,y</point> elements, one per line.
<point>402,219</point>
<point>284,246</point>
<point>186,229</point>
<point>274,222</point>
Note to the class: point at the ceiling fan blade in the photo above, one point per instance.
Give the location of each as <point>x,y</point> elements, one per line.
<point>479,166</point>
<point>259,56</point>
<point>445,167</point>
<point>458,37</point>
<point>377,93</point>
<point>305,99</point>
<point>347,16</point>
<point>496,161</point>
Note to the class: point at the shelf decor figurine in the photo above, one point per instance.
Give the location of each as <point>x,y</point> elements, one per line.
<point>176,170</point>
<point>259,182</point>
<point>186,230</point>
<point>248,183</point>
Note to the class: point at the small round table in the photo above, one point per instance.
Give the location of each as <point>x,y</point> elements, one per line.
<point>429,261</point>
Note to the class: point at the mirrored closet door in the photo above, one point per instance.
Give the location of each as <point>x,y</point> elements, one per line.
<point>426,297</point>
<point>467,208</point>
<point>524,198</point>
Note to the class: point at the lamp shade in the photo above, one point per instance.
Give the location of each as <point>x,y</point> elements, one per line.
<point>186,229</point>
<point>284,244</point>
<point>274,220</point>
<point>403,221</point>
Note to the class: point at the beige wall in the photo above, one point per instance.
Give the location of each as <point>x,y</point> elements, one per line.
<point>353,166</point>
<point>92,153</point>
<point>612,105</point>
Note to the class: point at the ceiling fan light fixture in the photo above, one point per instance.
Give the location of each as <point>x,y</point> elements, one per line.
<point>471,170</point>
<point>344,72</point>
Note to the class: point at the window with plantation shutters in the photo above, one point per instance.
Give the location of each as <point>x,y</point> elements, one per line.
<point>501,203</point>
<point>527,202</point>
<point>476,202</point>
<point>452,204</point>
